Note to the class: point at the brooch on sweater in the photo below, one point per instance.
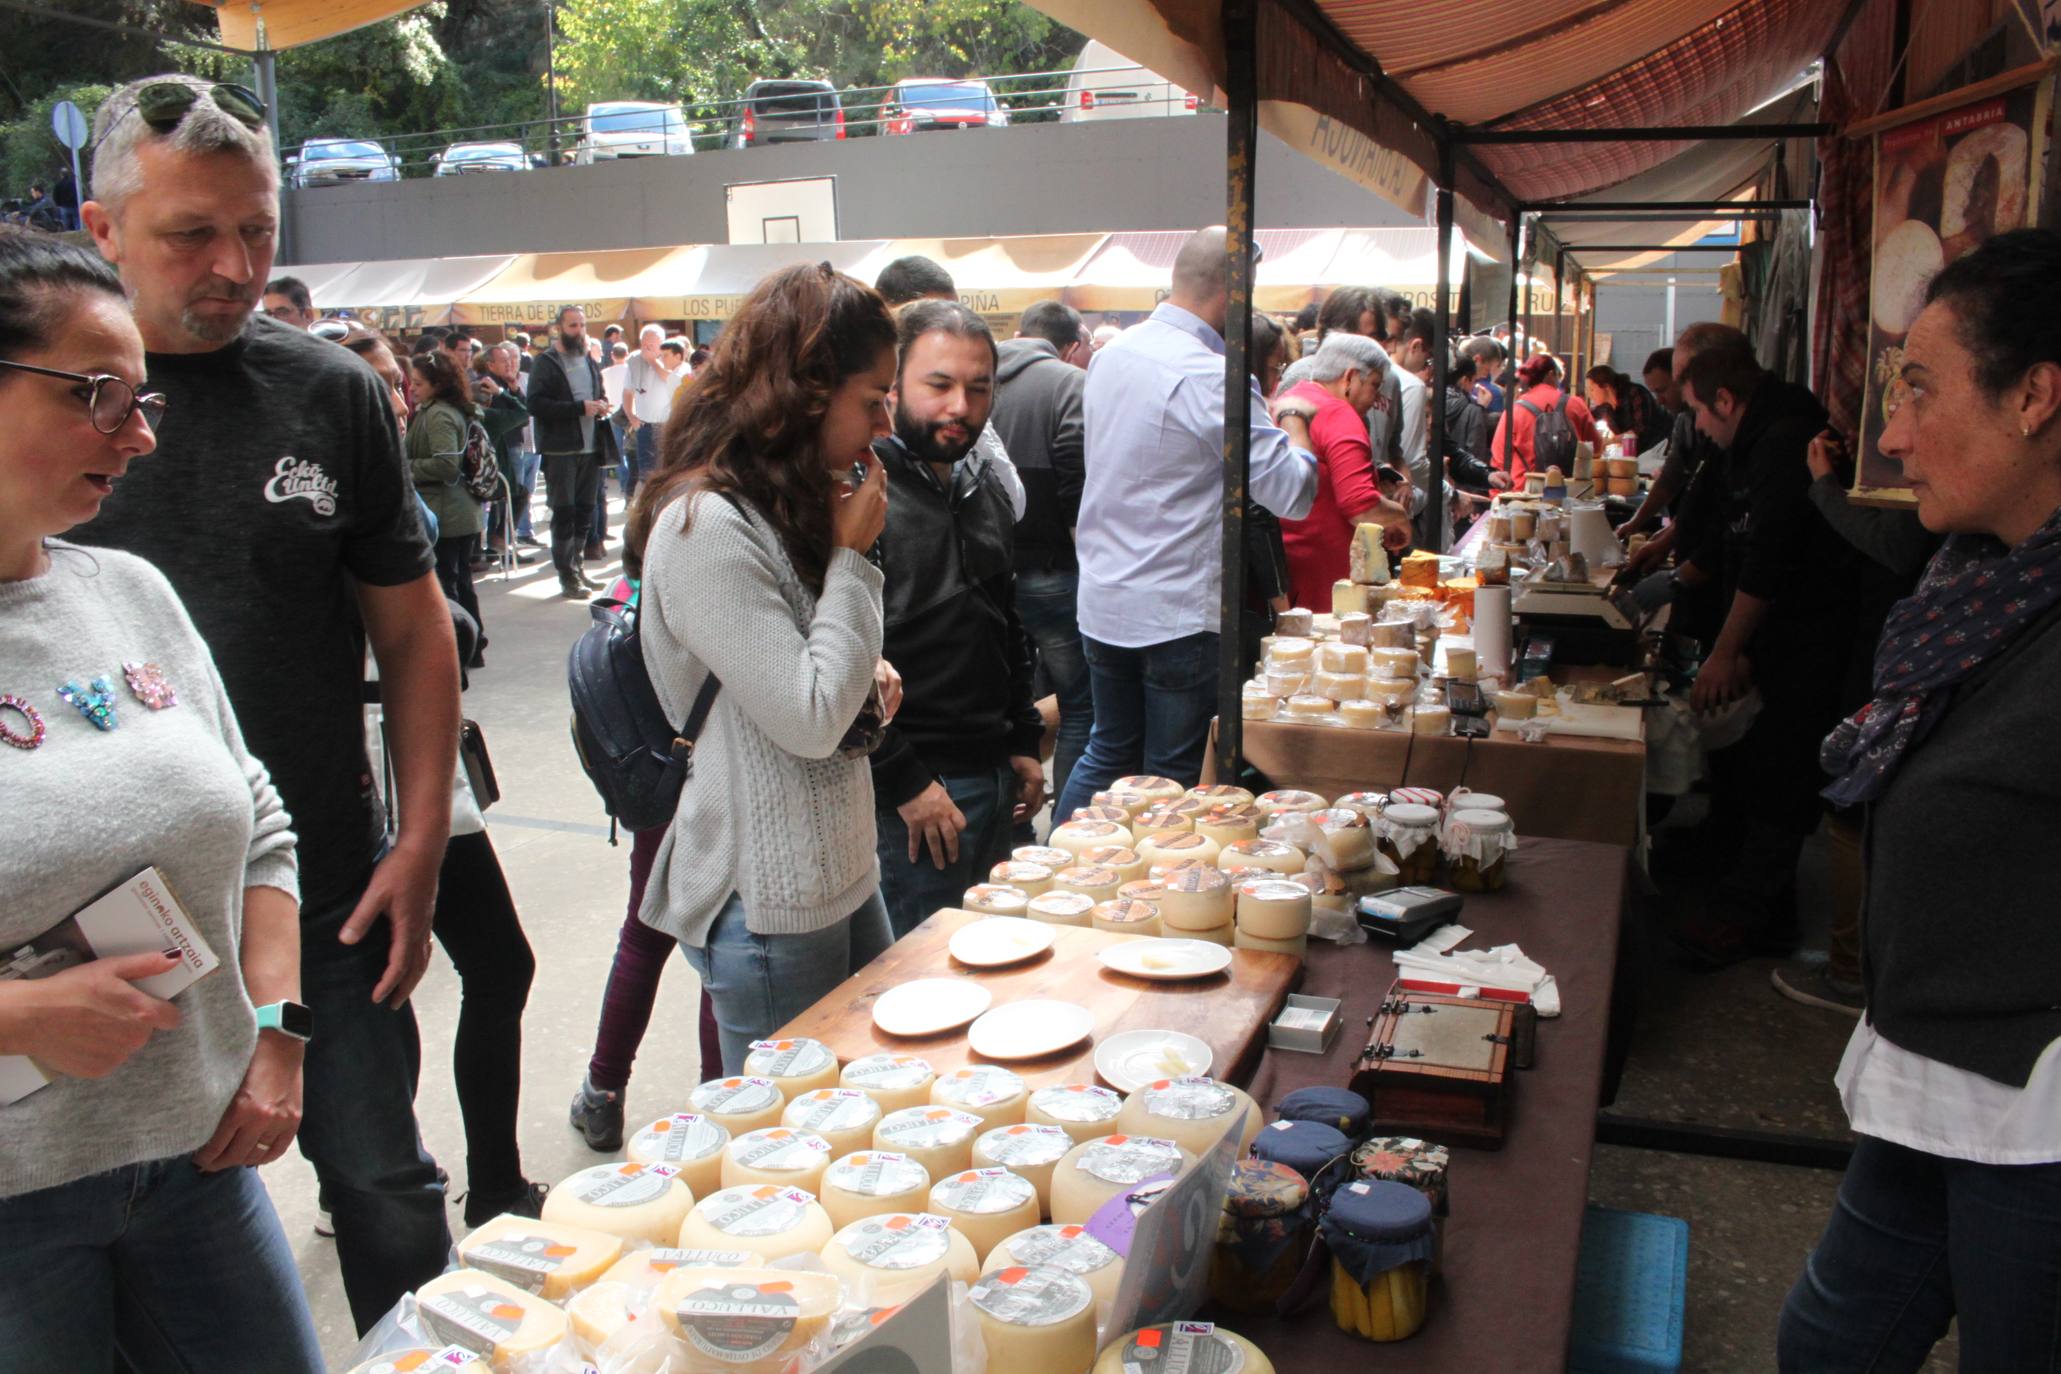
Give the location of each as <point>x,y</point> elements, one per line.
<point>20,706</point>
<point>95,701</point>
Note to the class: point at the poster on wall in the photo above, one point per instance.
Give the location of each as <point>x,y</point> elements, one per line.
<point>1943,185</point>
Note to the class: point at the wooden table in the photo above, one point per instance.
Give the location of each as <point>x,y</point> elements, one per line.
<point>1229,1012</point>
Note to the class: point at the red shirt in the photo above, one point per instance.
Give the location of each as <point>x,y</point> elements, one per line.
<point>1545,396</point>
<point>1319,545</point>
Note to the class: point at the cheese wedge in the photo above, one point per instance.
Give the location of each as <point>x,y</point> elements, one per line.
<point>987,1091</point>
<point>483,1313</point>
<point>799,1065</point>
<point>779,1155</point>
<point>634,1201</point>
<point>689,1142</point>
<point>1085,1111</point>
<point>938,1138</point>
<point>1348,598</point>
<point>843,1116</point>
<point>1097,1170</point>
<point>539,1256</point>
<point>739,1104</point>
<point>1431,720</point>
<point>1194,1112</point>
<point>1184,1345</point>
<point>985,1205</point>
<point>1037,1320</point>
<point>770,1221</point>
<point>750,1321</point>
<point>886,1260</point>
<point>1367,559</point>
<point>1030,1151</point>
<point>1342,658</point>
<point>599,1314</point>
<point>894,1081</point>
<point>871,1183</point>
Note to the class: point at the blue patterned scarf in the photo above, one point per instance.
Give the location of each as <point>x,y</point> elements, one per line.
<point>1974,599</point>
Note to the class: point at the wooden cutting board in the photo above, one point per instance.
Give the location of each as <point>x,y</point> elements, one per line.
<point>1228,1011</point>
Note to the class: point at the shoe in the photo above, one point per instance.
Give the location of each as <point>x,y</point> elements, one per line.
<point>529,541</point>
<point>528,1201</point>
<point>1812,984</point>
<point>1716,943</point>
<point>572,588</point>
<point>597,550</point>
<point>324,1226</point>
<point>598,1117</point>
<point>525,557</point>
<point>592,584</point>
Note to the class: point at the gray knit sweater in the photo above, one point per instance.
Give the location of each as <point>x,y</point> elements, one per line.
<point>771,813</point>
<point>88,810</point>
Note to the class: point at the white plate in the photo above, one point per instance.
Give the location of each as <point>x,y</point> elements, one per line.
<point>1029,1030</point>
<point>1128,1061</point>
<point>930,1006</point>
<point>1167,960</point>
<point>1000,940</point>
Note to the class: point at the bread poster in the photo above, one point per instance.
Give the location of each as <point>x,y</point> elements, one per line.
<point>1943,184</point>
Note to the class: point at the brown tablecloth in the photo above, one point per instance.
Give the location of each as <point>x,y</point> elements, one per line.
<point>1505,1295</point>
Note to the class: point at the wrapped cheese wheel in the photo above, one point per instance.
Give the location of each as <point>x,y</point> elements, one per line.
<point>1282,858</point>
<point>1297,948</point>
<point>1224,934</point>
<point>871,1183</point>
<point>642,1270</point>
<point>1255,702</point>
<point>886,1260</point>
<point>1150,786</point>
<point>1085,1111</point>
<point>1384,692</point>
<point>1162,816</point>
<point>1192,1111</point>
<point>894,1081</point>
<point>1285,679</point>
<point>1363,714</point>
<point>1288,799</point>
<point>751,1321</point>
<point>540,1257</point>
<point>688,1141</point>
<point>1064,1247</point>
<point>764,1218</point>
<point>938,1138</point>
<point>796,1065</point>
<point>1307,706</point>
<point>1172,846</point>
<point>1126,918</point>
<point>986,1205</point>
<point>1061,908</point>
<point>987,1091</point>
<point>993,899</point>
<point>1339,686</point>
<point>419,1358</point>
<point>1093,880</point>
<point>1028,878</point>
<point>1035,1321</point>
<point>1356,627</point>
<point>845,1117</point>
<point>484,1313</point>
<point>1368,804</point>
<point>1123,859</point>
<point>1184,1345</point>
<point>1196,899</point>
<point>1397,664</point>
<point>1097,1170</point>
<point>1431,720</point>
<point>779,1155</point>
<point>1342,658</point>
<point>1054,859</point>
<point>1130,803</point>
<point>1516,705</point>
<point>1340,836</point>
<point>1293,622</point>
<point>1029,1150</point>
<point>739,1104</point>
<point>1078,837</point>
<point>1273,909</point>
<point>634,1201</point>
<point>1218,794</point>
<point>1230,822</point>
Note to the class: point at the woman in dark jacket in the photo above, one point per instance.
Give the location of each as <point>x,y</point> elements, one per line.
<point>436,459</point>
<point>1626,406</point>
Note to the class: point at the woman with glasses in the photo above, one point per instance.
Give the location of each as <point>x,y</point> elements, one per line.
<point>132,1221</point>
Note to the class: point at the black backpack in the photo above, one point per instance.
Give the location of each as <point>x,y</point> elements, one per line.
<point>477,471</point>
<point>632,754</point>
<point>1552,437</point>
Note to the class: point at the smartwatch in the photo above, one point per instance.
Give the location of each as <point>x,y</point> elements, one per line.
<point>288,1018</point>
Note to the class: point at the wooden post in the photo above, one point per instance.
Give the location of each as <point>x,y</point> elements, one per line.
<point>1441,363</point>
<point>1241,85</point>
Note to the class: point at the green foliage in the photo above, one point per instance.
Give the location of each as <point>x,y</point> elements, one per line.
<point>29,151</point>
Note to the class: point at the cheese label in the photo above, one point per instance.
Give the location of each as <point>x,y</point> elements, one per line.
<point>981,1086</point>
<point>1189,1099</point>
<point>888,1071</point>
<point>1030,1297</point>
<point>473,1311</point>
<point>1182,1348</point>
<point>763,1210</point>
<point>525,1261</point>
<point>832,1109</point>
<point>877,1173</point>
<point>1062,1247</point>
<point>1129,1158</point>
<point>1065,902</point>
<point>423,1361</point>
<point>736,1096</point>
<point>1081,1103</point>
<point>620,1185</point>
<point>664,1259</point>
<point>1028,1145</point>
<point>788,1058</point>
<point>904,1240</point>
<point>923,1128</point>
<point>738,1322</point>
<point>777,1147</point>
<point>983,1191</point>
<point>681,1138</point>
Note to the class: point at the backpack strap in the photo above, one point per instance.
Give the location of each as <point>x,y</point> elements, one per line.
<point>697,717</point>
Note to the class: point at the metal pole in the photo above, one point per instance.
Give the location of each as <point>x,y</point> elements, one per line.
<point>1241,86</point>
<point>1510,388</point>
<point>265,70</point>
<point>1441,364</point>
<point>1592,323</point>
<point>551,81</point>
<point>1559,304</point>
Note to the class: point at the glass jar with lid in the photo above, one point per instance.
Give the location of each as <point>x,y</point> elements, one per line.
<point>1263,1236</point>
<point>1407,834</point>
<point>1381,1239</point>
<point>1476,843</point>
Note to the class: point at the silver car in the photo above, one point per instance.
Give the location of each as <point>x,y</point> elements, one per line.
<point>463,158</point>
<point>633,128</point>
<point>338,161</point>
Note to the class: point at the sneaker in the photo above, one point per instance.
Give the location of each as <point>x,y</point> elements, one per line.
<point>324,1227</point>
<point>598,1117</point>
<point>529,541</point>
<point>1813,985</point>
<point>528,1201</point>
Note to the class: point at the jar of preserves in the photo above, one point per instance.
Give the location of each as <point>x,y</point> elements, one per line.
<point>1381,1240</point>
<point>1407,834</point>
<point>1263,1236</point>
<point>1476,843</point>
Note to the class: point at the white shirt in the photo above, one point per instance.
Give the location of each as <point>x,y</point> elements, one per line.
<point>653,382</point>
<point>1910,1100</point>
<point>1415,438</point>
<point>612,384</point>
<point>1150,538</point>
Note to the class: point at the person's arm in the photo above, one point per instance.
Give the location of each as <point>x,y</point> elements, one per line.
<point>551,395</point>
<point>506,414</point>
<point>1282,475</point>
<point>1896,539</point>
<point>265,1114</point>
<point>1348,460</point>
<point>1727,674</point>
<point>436,448</point>
<point>1070,451</point>
<point>1584,423</point>
<point>1658,497</point>
<point>1004,469</point>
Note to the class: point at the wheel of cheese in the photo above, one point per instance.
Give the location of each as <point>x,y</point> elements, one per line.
<point>938,1138</point>
<point>894,1081</point>
<point>1285,681</point>
<point>984,1205</point>
<point>1216,935</point>
<point>1149,786</point>
<point>1383,692</point>
<point>1340,686</point>
<point>490,1315</point>
<point>1097,1170</point>
<point>1229,823</point>
<point>1194,1112</point>
<point>1130,803</point>
<point>886,1260</point>
<point>642,1269</point>
<point>422,1359</point>
<point>871,1183</point>
<point>1044,854</point>
<point>1038,1320</point>
<point>843,1116</point>
<point>1085,1111</point>
<point>1028,878</point>
<point>1342,658</point>
<point>1288,799</point>
<point>1308,706</point>
<point>1184,1345</point>
<point>1431,720</point>
<point>1298,948</point>
<point>600,1314</point>
<point>1146,890</point>
<point>797,1065</point>
<point>1061,908</point>
<point>1356,627</point>
<point>993,899</point>
<point>540,1257</point>
<point>987,1091</point>
<point>739,1104</point>
<point>1119,816</point>
<point>1340,836</point>
<point>770,1221</point>
<point>1163,873</point>
<point>1121,858</point>
<point>690,1142</point>
<point>1064,1247</point>
<point>635,1201</point>
<point>1273,910</point>
<point>1126,918</point>
<point>1220,794</point>
<point>1174,846</point>
<point>1196,899</point>
<point>1292,643</point>
<point>1031,1151</point>
<point>1095,881</point>
<point>1397,664</point>
<point>1515,705</point>
<point>1363,714</point>
<point>779,1155</point>
<point>1368,804</point>
<point>1078,837</point>
<point>748,1321</point>
<point>1161,818</point>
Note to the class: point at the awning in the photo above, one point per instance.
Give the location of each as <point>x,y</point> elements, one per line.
<point>709,281</point>
<point>410,293</point>
<point>604,284</point>
<point>999,276</point>
<point>290,23</point>
<point>1134,270</point>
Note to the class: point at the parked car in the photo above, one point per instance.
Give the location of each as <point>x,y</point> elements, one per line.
<point>464,158</point>
<point>335,161</point>
<point>788,112</point>
<point>1107,85</point>
<point>920,104</point>
<point>632,128</point>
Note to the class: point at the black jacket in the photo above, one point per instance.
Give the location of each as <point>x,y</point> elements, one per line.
<point>556,412</point>
<point>1467,441</point>
<point>1776,545</point>
<point>1038,416</point>
<point>949,606</point>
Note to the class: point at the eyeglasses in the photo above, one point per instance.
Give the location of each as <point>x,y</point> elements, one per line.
<point>162,104</point>
<point>109,400</point>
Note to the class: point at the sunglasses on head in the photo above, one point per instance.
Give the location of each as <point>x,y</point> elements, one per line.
<point>163,104</point>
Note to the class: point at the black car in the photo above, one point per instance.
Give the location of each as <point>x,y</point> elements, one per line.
<point>788,112</point>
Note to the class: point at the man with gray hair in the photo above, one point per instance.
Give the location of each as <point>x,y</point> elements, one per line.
<point>1345,376</point>
<point>648,384</point>
<point>280,508</point>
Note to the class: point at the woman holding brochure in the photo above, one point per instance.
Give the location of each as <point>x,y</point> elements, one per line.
<point>131,1220</point>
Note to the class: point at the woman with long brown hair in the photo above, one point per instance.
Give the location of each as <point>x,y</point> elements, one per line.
<point>436,458</point>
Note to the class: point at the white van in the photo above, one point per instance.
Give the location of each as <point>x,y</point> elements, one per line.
<point>632,128</point>
<point>1107,85</point>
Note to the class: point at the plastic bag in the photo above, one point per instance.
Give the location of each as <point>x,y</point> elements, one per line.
<point>1674,749</point>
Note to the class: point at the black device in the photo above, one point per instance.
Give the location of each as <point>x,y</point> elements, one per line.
<point>1407,914</point>
<point>1469,708</point>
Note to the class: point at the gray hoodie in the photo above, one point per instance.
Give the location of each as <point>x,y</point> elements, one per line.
<point>1038,416</point>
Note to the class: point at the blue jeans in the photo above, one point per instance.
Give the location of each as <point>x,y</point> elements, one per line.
<point>641,458</point>
<point>527,464</point>
<point>1916,1241</point>
<point>175,1269</point>
<point>358,1119</point>
<point>1045,605</point>
<point>1152,712</point>
<point>761,982</point>
<point>914,891</point>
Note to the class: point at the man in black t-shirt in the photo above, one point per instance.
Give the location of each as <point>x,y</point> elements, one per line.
<point>279,506</point>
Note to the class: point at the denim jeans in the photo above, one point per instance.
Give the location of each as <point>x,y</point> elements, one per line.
<point>1916,1241</point>
<point>358,1120</point>
<point>1152,712</point>
<point>175,1269</point>
<point>913,892</point>
<point>761,982</point>
<point>641,458</point>
<point>527,464</point>
<point>1045,605</point>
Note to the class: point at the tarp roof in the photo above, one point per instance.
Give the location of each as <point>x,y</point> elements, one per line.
<point>290,23</point>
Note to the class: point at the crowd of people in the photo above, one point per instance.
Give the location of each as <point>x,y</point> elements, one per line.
<point>864,537</point>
